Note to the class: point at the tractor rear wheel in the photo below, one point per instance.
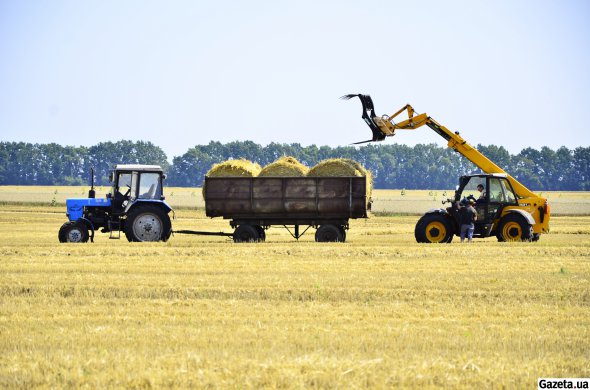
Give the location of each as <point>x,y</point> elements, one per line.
<point>73,232</point>
<point>147,223</point>
<point>329,233</point>
<point>514,228</point>
<point>248,233</point>
<point>434,229</point>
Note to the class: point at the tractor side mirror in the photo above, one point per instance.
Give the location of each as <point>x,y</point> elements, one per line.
<point>111,177</point>
<point>164,176</point>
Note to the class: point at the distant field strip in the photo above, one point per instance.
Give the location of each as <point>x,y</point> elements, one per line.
<point>395,202</point>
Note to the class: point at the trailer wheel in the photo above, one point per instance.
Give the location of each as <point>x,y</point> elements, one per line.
<point>343,231</point>
<point>247,233</point>
<point>147,223</point>
<point>329,233</point>
<point>514,228</point>
<point>73,232</point>
<point>433,229</point>
<point>262,233</point>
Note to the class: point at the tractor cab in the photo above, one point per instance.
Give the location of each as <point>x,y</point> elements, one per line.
<point>134,182</point>
<point>491,193</point>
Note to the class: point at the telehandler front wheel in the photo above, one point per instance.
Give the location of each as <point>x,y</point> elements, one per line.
<point>147,223</point>
<point>434,229</point>
<point>514,228</point>
<point>73,232</point>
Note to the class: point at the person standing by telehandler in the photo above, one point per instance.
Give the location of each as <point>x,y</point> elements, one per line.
<point>468,216</point>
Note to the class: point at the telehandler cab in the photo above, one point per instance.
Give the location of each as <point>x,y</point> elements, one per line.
<point>505,207</point>
<point>134,206</point>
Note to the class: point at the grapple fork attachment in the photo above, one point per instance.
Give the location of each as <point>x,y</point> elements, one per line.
<point>368,115</point>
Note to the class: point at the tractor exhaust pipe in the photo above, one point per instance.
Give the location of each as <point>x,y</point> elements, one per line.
<point>91,192</point>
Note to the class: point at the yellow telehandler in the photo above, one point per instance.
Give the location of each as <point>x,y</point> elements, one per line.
<point>505,208</point>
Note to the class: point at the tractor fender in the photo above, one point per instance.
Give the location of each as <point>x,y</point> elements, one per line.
<point>525,214</point>
<point>90,226</point>
<point>160,203</point>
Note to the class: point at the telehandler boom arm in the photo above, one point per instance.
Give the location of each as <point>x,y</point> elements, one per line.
<point>385,126</point>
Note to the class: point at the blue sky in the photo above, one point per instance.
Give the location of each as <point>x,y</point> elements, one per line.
<point>181,73</point>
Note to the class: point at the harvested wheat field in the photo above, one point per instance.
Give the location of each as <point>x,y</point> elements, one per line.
<point>377,311</point>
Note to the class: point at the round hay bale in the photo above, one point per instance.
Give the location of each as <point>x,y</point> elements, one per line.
<point>334,167</point>
<point>365,172</point>
<point>229,168</point>
<point>233,168</point>
<point>284,166</point>
<point>343,167</point>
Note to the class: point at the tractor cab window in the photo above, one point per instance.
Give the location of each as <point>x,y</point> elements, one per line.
<point>149,186</point>
<point>123,188</point>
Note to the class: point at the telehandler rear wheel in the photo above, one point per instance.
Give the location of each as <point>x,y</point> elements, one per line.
<point>147,223</point>
<point>514,228</point>
<point>73,232</point>
<point>433,229</point>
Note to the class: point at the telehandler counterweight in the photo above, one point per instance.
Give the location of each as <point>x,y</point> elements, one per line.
<point>505,208</point>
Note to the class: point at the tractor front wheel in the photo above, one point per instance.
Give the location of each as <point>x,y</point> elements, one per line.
<point>73,232</point>
<point>434,229</point>
<point>147,223</point>
<point>514,228</point>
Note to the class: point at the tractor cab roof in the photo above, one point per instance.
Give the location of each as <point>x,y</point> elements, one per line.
<point>138,168</point>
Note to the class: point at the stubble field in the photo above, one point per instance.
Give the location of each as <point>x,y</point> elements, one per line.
<point>377,311</point>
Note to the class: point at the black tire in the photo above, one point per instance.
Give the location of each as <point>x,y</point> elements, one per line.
<point>434,229</point>
<point>261,233</point>
<point>535,237</point>
<point>513,227</point>
<point>343,231</point>
<point>76,232</point>
<point>147,223</point>
<point>329,233</point>
<point>247,233</point>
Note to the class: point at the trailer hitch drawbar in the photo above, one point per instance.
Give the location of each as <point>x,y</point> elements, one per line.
<point>202,233</point>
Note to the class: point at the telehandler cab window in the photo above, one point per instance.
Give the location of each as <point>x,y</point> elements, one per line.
<point>470,188</point>
<point>149,186</point>
<point>500,191</point>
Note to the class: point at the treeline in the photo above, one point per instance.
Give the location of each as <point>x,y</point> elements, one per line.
<point>393,166</point>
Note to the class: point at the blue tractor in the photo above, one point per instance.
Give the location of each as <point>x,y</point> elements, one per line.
<point>134,206</point>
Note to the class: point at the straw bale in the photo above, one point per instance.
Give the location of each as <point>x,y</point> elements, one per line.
<point>343,167</point>
<point>233,168</point>
<point>284,166</point>
<point>229,168</point>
